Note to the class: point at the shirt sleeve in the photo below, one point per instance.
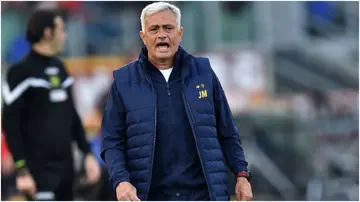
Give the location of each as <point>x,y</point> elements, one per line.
<point>228,132</point>
<point>14,90</point>
<point>78,132</point>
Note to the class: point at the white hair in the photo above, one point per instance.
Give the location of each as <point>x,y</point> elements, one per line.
<point>159,7</point>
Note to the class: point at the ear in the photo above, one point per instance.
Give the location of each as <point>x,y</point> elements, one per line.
<point>142,36</point>
<point>181,31</point>
<point>48,34</point>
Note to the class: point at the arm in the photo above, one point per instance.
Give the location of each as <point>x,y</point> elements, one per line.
<point>78,133</point>
<point>14,90</point>
<point>228,133</point>
<point>113,138</point>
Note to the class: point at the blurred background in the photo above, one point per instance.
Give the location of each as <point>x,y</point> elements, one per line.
<point>290,71</point>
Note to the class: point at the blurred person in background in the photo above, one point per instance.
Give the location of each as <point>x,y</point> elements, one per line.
<point>167,125</point>
<point>39,118</point>
<point>88,88</point>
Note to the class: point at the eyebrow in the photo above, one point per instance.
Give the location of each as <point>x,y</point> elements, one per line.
<point>164,25</point>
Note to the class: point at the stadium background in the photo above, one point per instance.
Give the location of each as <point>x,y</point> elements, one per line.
<point>289,70</point>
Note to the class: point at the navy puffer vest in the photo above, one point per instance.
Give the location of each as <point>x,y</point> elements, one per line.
<point>139,99</point>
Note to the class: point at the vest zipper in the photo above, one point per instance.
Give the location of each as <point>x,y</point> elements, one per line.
<point>197,148</point>
<point>155,125</point>
<point>168,88</point>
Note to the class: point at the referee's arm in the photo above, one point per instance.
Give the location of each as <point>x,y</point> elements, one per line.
<point>14,90</point>
<point>77,130</point>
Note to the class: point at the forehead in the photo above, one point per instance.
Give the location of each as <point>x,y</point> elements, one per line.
<point>160,18</point>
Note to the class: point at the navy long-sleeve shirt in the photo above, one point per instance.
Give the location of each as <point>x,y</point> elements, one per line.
<point>177,168</point>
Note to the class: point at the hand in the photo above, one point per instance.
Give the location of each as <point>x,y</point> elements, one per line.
<point>92,169</point>
<point>7,165</point>
<point>26,184</point>
<point>126,192</point>
<point>243,190</point>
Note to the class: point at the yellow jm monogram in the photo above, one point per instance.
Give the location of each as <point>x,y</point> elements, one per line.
<point>202,94</point>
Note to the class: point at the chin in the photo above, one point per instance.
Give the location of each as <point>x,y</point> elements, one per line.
<point>164,56</point>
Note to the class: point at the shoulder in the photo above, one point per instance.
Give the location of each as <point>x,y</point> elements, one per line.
<point>59,62</point>
<point>203,65</point>
<point>18,72</point>
<point>127,72</point>
<point>18,80</point>
<point>203,60</point>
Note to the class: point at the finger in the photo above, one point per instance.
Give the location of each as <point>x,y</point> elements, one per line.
<point>133,197</point>
<point>91,181</point>
<point>92,177</point>
<point>97,176</point>
<point>124,198</point>
<point>245,198</point>
<point>137,198</point>
<point>238,196</point>
<point>32,191</point>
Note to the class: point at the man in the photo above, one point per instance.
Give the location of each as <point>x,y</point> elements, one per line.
<point>39,118</point>
<point>167,125</point>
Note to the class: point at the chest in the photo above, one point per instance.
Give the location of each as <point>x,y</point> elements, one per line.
<point>49,85</point>
<point>197,91</point>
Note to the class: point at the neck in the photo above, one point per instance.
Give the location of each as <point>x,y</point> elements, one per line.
<point>44,49</point>
<point>162,64</point>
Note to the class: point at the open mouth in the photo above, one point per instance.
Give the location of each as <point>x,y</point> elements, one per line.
<point>163,46</point>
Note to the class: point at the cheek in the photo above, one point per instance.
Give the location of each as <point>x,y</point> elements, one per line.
<point>175,40</point>
<point>148,43</point>
<point>152,45</point>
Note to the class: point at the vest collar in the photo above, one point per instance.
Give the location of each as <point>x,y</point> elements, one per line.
<point>183,60</point>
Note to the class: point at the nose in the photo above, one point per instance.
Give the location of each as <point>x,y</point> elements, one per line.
<point>162,34</point>
<point>161,37</point>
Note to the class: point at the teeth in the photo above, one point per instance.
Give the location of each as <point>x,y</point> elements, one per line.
<point>163,47</point>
